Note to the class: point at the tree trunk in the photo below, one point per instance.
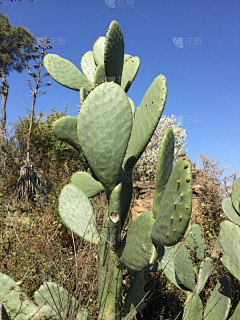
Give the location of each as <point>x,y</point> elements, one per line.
<point>31,127</point>
<point>38,82</point>
<point>4,94</point>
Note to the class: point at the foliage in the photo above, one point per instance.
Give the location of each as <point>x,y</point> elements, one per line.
<point>16,46</point>
<point>145,169</point>
<point>214,187</point>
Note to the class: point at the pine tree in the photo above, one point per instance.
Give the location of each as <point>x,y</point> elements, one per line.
<point>16,47</point>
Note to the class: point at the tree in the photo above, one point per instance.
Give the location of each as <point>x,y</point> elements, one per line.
<point>29,182</point>
<point>37,83</point>
<point>16,47</point>
<point>48,154</point>
<point>145,169</point>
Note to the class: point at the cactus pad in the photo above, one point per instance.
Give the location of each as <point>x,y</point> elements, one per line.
<point>196,242</point>
<point>206,269</point>
<point>133,303</point>
<point>236,195</point>
<point>193,308</point>
<point>219,302</point>
<point>98,50</point>
<point>126,194</point>
<point>65,129</point>
<point>66,73</point>
<point>230,212</point>
<point>104,126</point>
<point>236,313</point>
<point>99,74</point>
<point>16,301</point>
<point>77,213</point>
<point>139,247</point>
<point>129,73</point>
<point>133,107</point>
<point>183,266</point>
<point>87,184</point>
<point>54,301</point>
<point>146,120</point>
<point>114,53</point>
<point>175,206</point>
<point>88,65</point>
<point>126,57</point>
<point>229,238</point>
<point>164,167</point>
<point>82,94</point>
<point>168,268</point>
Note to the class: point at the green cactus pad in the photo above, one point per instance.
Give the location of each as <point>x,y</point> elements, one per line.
<point>126,57</point>
<point>183,266</point>
<point>77,213</point>
<point>66,73</point>
<point>193,308</point>
<point>236,196</point>
<point>133,302</point>
<point>175,206</point>
<point>139,247</point>
<point>114,53</point>
<point>146,120</point>
<point>54,301</point>
<point>156,266</point>
<point>126,194</point>
<point>15,301</point>
<point>164,167</point>
<point>87,184</point>
<point>88,65</point>
<point>196,242</point>
<point>65,129</point>
<point>98,50</point>
<point>83,95</point>
<point>230,212</point>
<point>236,313</point>
<point>206,269</point>
<point>104,127</point>
<point>219,302</point>
<point>133,107</point>
<point>168,268</point>
<point>99,74</point>
<point>229,238</point>
<point>83,315</point>
<point>129,73</point>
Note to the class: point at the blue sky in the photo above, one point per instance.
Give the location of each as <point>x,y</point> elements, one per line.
<point>195,44</point>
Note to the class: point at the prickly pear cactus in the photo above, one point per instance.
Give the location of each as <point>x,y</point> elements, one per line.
<point>112,136</point>
<point>229,236</point>
<point>51,301</point>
